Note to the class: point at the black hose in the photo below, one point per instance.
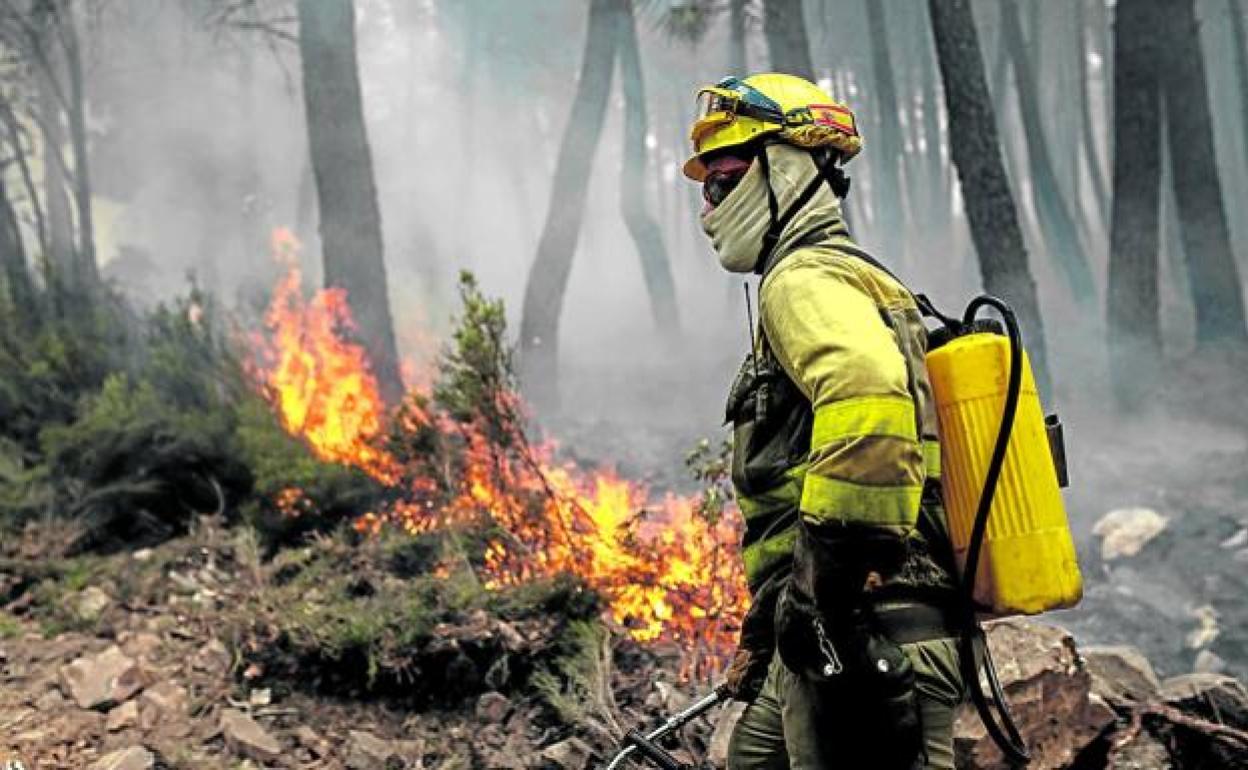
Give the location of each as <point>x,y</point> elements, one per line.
<point>974,645</point>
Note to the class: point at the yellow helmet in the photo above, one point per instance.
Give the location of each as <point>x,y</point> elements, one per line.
<point>733,112</point>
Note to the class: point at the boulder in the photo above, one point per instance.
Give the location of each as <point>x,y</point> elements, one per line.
<point>1049,693</point>
<point>133,758</point>
<point>1121,674</point>
<point>1215,697</point>
<point>102,680</point>
<point>245,737</point>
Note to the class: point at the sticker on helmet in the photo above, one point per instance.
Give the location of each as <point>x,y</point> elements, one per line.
<point>834,116</point>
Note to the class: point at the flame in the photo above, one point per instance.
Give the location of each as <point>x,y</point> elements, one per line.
<point>666,573</point>
<point>318,380</point>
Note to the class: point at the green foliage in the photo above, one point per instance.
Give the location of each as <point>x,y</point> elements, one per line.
<point>476,373</point>
<point>712,468</point>
<point>578,685</point>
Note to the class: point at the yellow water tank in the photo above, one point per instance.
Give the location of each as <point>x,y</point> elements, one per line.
<point>1027,564</point>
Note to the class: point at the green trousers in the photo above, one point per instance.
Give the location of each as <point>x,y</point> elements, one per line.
<point>778,732</point>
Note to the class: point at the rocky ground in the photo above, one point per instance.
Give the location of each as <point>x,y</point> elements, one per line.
<point>148,670</point>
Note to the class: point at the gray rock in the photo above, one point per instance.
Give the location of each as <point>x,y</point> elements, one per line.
<point>1141,751</point>
<point>570,754</point>
<point>717,747</point>
<point>493,707</point>
<point>1121,674</point>
<point>90,603</point>
<point>366,751</point>
<point>123,716</point>
<point>133,758</point>
<point>1208,662</point>
<point>312,741</point>
<point>1216,697</point>
<point>102,680</point>
<point>163,702</point>
<point>245,737</point>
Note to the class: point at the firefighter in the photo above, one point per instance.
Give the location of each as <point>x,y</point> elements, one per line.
<point>836,457</point>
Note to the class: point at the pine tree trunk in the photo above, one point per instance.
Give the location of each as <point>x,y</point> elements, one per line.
<point>1091,154</point>
<point>887,152</point>
<point>87,268</point>
<point>1216,289</point>
<point>1056,223</point>
<point>788,47</point>
<point>548,277</point>
<point>350,222</point>
<point>938,210</point>
<point>642,227</point>
<point>1132,308</point>
<point>990,208</point>
<point>60,256</point>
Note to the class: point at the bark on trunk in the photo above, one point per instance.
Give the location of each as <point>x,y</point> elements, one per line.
<point>890,205</point>
<point>548,277</point>
<point>990,209</point>
<point>350,222</point>
<point>788,47</point>
<point>1058,227</point>
<point>1132,306</point>
<point>642,227</point>
<point>1216,289</point>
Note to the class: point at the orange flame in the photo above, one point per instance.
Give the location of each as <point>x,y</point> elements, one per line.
<point>666,573</point>
<point>319,381</point>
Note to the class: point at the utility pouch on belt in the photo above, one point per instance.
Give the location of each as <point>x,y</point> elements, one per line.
<point>856,672</point>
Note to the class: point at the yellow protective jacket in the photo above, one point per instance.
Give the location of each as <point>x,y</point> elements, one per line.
<point>833,415</point>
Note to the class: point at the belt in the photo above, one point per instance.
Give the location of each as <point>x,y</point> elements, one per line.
<point>910,622</point>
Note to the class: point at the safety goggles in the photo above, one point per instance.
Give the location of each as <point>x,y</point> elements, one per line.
<point>718,185</point>
<point>722,103</point>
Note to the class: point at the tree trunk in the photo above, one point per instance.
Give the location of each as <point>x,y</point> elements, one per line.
<point>87,267</point>
<point>1239,44</point>
<point>548,277</point>
<point>736,39</point>
<point>16,276</point>
<point>60,256</point>
<point>1091,155</point>
<point>1133,323</point>
<point>788,48</point>
<point>990,209</point>
<point>1060,233</point>
<point>350,222</point>
<point>887,153</point>
<point>938,210</point>
<point>1215,282</point>
<point>645,232</point>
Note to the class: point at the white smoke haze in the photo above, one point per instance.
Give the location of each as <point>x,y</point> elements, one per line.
<point>199,150</point>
